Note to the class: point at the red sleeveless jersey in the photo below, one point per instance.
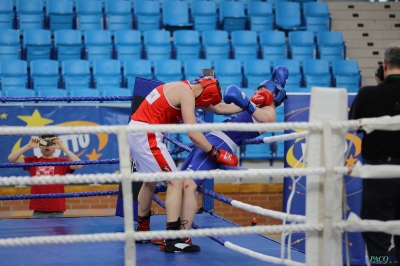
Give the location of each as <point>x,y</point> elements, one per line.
<point>155,108</point>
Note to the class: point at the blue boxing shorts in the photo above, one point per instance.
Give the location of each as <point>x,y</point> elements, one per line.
<point>198,160</point>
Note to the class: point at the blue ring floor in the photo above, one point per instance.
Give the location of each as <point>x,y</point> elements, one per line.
<point>112,253</point>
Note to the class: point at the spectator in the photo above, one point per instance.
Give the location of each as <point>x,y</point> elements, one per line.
<point>46,208</point>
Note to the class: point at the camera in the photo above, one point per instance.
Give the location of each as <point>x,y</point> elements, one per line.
<point>207,72</point>
<point>46,142</point>
<point>379,72</point>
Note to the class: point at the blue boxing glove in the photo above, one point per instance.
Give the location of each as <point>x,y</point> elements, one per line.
<point>234,95</point>
<point>277,84</point>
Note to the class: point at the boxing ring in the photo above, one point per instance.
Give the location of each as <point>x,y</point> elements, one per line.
<point>111,240</point>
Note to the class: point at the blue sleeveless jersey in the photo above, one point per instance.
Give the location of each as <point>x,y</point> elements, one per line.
<point>239,136</point>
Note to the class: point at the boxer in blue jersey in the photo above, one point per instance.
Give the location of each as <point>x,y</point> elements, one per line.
<point>259,109</point>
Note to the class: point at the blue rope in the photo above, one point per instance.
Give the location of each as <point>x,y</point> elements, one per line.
<point>177,143</point>
<point>66,99</point>
<point>59,195</point>
<point>15,165</point>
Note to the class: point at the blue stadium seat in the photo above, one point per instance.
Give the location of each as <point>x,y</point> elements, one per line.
<point>89,15</point>
<point>261,16</point>
<point>10,46</point>
<point>330,45</point>
<point>168,70</point>
<point>317,17</point>
<point>288,15</point>
<point>44,74</point>
<point>52,93</point>
<point>60,15</point>
<point>136,68</point>
<point>128,45</point>
<point>68,44</point>
<point>118,15</point>
<point>295,77</point>
<point>316,73</point>
<point>14,74</point>
<point>157,45</point>
<point>107,74</point>
<point>18,92</point>
<point>256,71</point>
<point>175,15</point>
<point>204,15</point>
<point>216,44</point>
<point>228,71</point>
<point>83,92</point>
<point>302,45</point>
<point>75,74</point>
<point>273,45</point>
<point>346,75</point>
<point>148,15</point>
<point>232,16</point>
<point>244,45</point>
<point>257,152</point>
<point>7,16</point>
<point>186,44</point>
<point>30,14</point>
<point>277,148</point>
<point>37,44</point>
<point>192,68</point>
<point>98,45</point>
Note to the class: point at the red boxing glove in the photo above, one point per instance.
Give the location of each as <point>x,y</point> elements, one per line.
<point>223,157</point>
<point>264,97</point>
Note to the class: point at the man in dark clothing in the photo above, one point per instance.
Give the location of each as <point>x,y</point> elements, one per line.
<point>381,197</point>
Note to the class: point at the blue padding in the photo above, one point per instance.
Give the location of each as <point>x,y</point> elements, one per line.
<point>144,86</point>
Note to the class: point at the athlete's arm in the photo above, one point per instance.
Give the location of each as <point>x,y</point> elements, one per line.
<point>187,104</point>
<point>265,114</point>
<point>223,109</point>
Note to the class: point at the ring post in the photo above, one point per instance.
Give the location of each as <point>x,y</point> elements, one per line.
<point>125,168</point>
<point>324,192</point>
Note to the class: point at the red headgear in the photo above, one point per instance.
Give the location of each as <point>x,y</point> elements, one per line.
<point>211,93</point>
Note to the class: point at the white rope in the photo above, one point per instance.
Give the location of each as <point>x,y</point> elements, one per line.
<point>262,257</point>
<point>375,171</point>
<point>368,124</point>
<point>107,237</point>
<point>355,224</point>
<point>159,176</point>
<point>289,136</point>
<point>176,128</point>
<point>270,213</point>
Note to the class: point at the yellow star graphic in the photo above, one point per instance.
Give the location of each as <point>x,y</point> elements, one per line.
<point>3,116</point>
<point>35,120</point>
<point>94,155</point>
<point>351,160</point>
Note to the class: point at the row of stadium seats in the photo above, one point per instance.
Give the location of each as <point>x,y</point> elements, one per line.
<point>77,74</point>
<point>156,44</point>
<point>148,15</point>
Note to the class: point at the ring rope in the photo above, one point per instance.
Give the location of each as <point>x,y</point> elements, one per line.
<point>386,123</point>
<point>106,237</point>
<point>15,165</point>
<point>252,208</point>
<point>162,176</point>
<point>240,249</point>
<point>66,99</point>
<point>59,195</point>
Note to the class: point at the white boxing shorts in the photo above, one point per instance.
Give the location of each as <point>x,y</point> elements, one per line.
<point>149,152</point>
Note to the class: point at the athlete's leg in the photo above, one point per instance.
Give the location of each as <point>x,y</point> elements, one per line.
<point>189,205</point>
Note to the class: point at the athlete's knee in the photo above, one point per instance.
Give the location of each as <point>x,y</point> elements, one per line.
<point>189,186</point>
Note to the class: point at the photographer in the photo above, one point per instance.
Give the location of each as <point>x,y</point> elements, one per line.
<point>46,208</point>
<point>381,196</point>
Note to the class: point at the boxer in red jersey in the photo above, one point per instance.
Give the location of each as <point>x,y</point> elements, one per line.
<point>169,104</point>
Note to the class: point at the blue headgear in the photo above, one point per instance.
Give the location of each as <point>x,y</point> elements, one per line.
<point>277,84</point>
